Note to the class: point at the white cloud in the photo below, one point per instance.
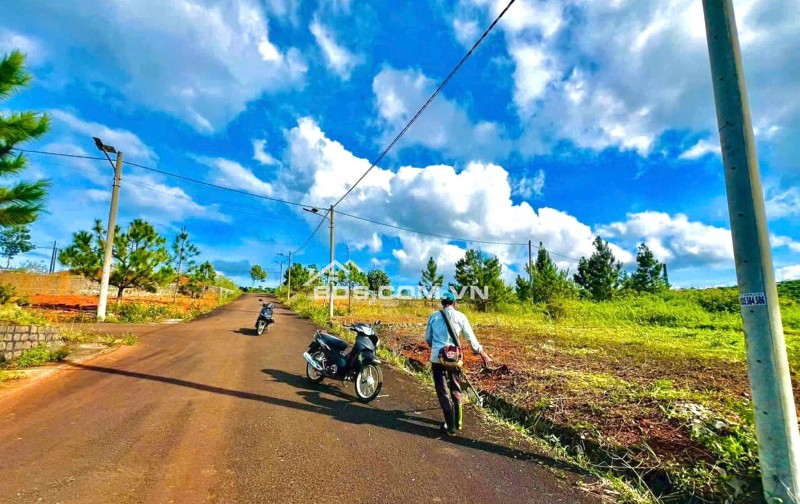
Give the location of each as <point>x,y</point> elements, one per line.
<point>339,58</point>
<point>780,202</point>
<point>232,174</point>
<point>528,187</point>
<point>33,50</point>
<point>199,60</point>
<point>320,170</point>
<point>131,145</point>
<point>444,126</point>
<point>261,155</point>
<point>674,239</point>
<point>156,201</point>
<point>700,149</point>
<point>785,241</point>
<point>620,74</point>
<point>788,273</point>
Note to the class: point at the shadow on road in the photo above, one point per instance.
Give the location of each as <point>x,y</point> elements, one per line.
<point>346,409</point>
<point>247,331</point>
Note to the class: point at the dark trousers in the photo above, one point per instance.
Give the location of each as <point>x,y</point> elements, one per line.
<point>447,386</point>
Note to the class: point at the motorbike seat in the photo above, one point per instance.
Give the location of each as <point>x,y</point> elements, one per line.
<point>333,342</point>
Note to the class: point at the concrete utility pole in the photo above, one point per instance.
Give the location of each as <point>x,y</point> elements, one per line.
<point>53,257</point>
<point>280,277</point>
<point>288,275</point>
<point>530,268</point>
<point>331,269</point>
<point>112,223</point>
<point>775,414</point>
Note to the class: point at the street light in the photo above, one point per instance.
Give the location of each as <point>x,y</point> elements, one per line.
<point>112,224</point>
<point>315,211</point>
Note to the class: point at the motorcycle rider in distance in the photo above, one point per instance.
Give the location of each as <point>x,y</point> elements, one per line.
<point>437,337</point>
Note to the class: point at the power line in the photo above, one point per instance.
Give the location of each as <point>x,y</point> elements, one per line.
<point>324,216</point>
<point>301,247</point>
<point>428,102</point>
<point>175,175</point>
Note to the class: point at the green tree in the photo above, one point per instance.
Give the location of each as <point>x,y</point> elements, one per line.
<point>15,240</point>
<point>141,259</point>
<point>377,279</point>
<point>599,276</point>
<point>22,202</point>
<point>549,282</point>
<point>258,274</point>
<point>431,279</point>
<point>85,255</point>
<point>649,274</point>
<point>299,276</point>
<point>483,273</point>
<point>183,254</point>
<point>200,278</point>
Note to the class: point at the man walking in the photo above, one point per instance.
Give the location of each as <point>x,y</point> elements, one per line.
<point>437,335</point>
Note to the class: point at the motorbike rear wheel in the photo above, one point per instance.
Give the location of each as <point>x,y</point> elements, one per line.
<point>312,374</point>
<point>260,326</point>
<point>369,382</point>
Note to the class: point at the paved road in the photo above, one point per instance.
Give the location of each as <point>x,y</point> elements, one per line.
<point>208,412</point>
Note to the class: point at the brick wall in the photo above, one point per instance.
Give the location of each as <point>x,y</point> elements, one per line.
<point>16,338</point>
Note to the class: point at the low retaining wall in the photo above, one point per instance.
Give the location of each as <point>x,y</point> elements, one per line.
<point>14,339</point>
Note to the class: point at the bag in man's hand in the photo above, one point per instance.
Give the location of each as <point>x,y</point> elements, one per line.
<point>451,356</point>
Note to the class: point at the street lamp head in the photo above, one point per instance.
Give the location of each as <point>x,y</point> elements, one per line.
<point>312,210</point>
<point>103,147</point>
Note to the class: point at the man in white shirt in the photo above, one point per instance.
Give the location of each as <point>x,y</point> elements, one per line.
<point>437,336</point>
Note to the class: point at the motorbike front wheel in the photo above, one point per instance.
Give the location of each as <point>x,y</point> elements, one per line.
<point>369,381</point>
<point>312,374</point>
<point>260,326</point>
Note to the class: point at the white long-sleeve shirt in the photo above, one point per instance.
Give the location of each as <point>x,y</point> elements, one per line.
<point>437,336</point>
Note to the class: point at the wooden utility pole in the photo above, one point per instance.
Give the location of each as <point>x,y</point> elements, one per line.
<point>768,365</point>
<point>331,268</point>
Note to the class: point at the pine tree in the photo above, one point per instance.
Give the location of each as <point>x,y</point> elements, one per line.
<point>14,241</point>
<point>183,253</point>
<point>431,279</point>
<point>548,281</point>
<point>22,202</point>
<point>599,276</point>
<point>483,273</point>
<point>649,274</point>
<point>140,259</point>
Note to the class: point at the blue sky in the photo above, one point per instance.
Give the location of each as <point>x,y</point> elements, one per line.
<point>574,118</point>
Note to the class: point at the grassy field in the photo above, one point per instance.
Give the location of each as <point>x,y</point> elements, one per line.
<point>650,388</point>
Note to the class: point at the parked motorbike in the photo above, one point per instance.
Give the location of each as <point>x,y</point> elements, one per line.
<point>326,358</point>
<point>265,318</point>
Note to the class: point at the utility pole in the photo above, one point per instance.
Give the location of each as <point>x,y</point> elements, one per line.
<point>775,414</point>
<point>331,269</point>
<point>288,275</point>
<point>280,278</point>
<point>530,268</point>
<point>112,223</point>
<point>53,257</point>
<point>349,283</point>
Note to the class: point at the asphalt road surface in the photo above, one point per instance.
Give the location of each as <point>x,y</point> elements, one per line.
<point>209,412</point>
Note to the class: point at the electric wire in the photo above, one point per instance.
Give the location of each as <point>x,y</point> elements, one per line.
<point>323,216</point>
<point>428,102</point>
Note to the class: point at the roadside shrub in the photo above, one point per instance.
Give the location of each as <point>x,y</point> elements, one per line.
<point>7,293</point>
<point>39,355</point>
<point>140,312</point>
